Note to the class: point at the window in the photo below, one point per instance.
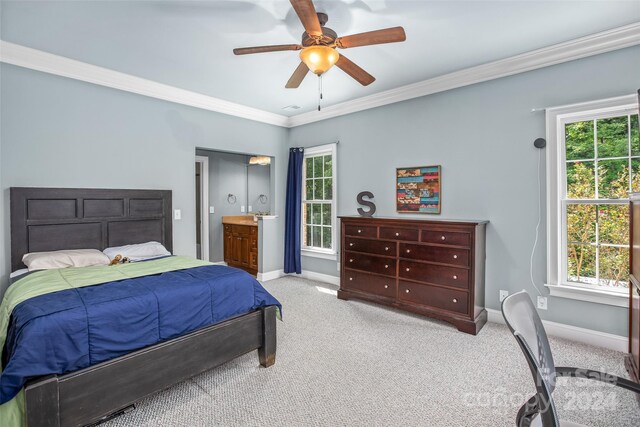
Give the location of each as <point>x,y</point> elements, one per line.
<point>318,204</point>
<point>594,161</point>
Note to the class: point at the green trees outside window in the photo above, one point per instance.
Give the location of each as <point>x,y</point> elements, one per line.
<point>602,166</point>
<point>316,204</point>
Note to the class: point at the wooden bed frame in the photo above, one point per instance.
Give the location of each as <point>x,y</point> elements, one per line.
<point>45,219</point>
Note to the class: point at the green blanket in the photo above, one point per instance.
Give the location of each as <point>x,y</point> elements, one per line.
<point>48,281</point>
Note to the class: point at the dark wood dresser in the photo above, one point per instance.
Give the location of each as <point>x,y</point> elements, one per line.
<point>433,268</point>
<point>632,361</point>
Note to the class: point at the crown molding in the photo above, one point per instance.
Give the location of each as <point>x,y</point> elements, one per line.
<point>606,41</point>
<point>34,59</point>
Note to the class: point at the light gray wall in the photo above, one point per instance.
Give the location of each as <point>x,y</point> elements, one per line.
<point>227,175</point>
<point>58,132</point>
<point>482,135</point>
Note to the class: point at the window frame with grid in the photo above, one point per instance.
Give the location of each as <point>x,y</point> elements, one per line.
<point>560,205</point>
<point>326,221</point>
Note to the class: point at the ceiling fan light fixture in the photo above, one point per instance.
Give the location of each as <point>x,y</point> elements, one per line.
<point>319,58</point>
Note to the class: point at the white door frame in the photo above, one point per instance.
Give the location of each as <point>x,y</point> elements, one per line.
<point>204,206</point>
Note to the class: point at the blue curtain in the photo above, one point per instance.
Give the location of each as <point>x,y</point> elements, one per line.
<point>293,212</point>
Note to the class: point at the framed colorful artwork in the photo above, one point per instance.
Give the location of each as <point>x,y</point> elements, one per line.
<point>418,189</point>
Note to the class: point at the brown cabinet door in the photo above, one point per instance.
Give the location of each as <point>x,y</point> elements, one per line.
<point>243,242</point>
<point>228,247</point>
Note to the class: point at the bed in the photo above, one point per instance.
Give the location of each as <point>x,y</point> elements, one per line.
<point>46,219</point>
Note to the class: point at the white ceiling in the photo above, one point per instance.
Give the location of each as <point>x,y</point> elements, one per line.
<point>189,44</point>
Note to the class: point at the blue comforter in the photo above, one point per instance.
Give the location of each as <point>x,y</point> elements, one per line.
<point>72,329</point>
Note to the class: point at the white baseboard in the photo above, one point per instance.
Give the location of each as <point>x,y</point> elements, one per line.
<point>270,275</point>
<point>574,333</point>
<point>311,275</point>
<point>320,277</point>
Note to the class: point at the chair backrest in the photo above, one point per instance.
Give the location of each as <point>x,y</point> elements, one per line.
<point>523,320</point>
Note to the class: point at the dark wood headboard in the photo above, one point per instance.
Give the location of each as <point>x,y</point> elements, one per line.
<point>49,219</point>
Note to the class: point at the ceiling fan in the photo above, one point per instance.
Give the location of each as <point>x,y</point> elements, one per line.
<point>319,43</point>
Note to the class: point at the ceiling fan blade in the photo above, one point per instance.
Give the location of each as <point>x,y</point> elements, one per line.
<point>308,16</point>
<point>297,76</point>
<point>354,71</point>
<point>388,35</point>
<point>262,49</point>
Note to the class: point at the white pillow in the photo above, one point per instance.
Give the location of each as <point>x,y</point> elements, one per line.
<point>64,259</point>
<point>138,252</point>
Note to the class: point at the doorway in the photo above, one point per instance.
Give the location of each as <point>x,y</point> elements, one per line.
<point>202,207</point>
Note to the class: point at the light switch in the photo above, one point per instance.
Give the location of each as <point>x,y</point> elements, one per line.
<point>177,214</point>
<point>212,209</point>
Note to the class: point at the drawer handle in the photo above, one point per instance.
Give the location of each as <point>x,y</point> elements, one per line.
<point>397,234</point>
<point>386,248</point>
<point>350,244</point>
<point>455,257</point>
<point>443,238</point>
<point>350,278</point>
<point>386,266</point>
<point>407,268</point>
<point>407,290</point>
<point>351,260</point>
<point>359,231</point>
<point>455,277</point>
<point>386,286</point>
<point>455,300</point>
<point>408,250</point>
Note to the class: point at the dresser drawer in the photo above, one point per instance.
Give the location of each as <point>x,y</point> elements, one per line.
<point>361,230</point>
<point>440,254</point>
<point>445,299</point>
<point>371,263</point>
<point>369,283</point>
<point>437,274</point>
<point>398,233</point>
<point>446,237</point>
<point>378,247</point>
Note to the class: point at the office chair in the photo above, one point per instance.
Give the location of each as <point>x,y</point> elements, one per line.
<point>525,324</point>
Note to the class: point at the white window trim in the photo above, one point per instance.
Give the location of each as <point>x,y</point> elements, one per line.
<point>330,254</point>
<point>556,118</point>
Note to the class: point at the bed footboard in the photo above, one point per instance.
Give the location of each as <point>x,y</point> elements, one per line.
<point>94,393</point>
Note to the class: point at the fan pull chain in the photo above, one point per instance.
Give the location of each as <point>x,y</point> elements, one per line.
<point>319,91</point>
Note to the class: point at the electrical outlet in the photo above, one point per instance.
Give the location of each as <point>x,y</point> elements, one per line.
<point>503,294</point>
<point>542,303</point>
<point>250,208</point>
<point>242,209</point>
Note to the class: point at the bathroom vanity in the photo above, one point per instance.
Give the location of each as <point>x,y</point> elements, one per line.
<point>241,242</point>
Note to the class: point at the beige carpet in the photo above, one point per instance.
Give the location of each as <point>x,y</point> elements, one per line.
<point>349,363</point>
